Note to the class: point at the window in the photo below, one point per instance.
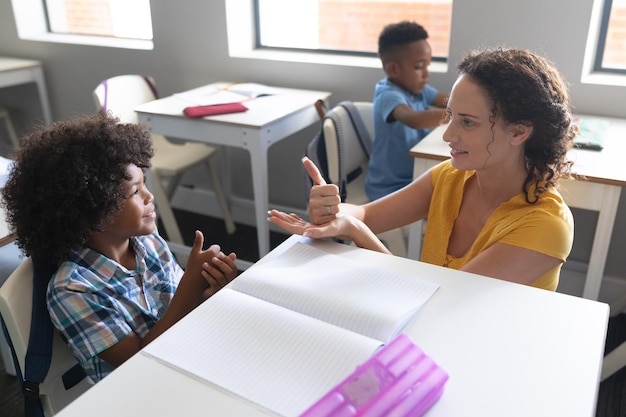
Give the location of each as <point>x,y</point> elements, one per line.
<point>605,52</point>
<point>315,37</point>
<point>114,18</point>
<point>347,26</point>
<point>611,52</point>
<point>115,23</point>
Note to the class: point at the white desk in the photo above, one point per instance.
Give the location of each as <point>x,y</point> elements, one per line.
<point>510,350</point>
<point>599,190</point>
<point>269,120</point>
<point>15,71</point>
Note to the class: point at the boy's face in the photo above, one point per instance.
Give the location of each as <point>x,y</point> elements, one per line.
<point>136,216</point>
<point>409,69</point>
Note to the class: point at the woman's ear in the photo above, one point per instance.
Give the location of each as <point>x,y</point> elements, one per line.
<point>520,132</point>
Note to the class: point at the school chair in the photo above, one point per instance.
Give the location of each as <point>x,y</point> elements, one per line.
<point>120,95</point>
<point>345,155</point>
<point>16,302</point>
<point>10,259</point>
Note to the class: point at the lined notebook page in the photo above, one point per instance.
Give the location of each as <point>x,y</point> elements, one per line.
<point>278,359</point>
<point>372,301</point>
<point>234,93</point>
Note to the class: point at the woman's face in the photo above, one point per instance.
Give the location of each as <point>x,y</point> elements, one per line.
<point>476,139</point>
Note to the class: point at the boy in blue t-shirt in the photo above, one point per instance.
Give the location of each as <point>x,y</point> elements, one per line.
<point>402,101</point>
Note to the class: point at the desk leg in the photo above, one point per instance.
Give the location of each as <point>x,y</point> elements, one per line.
<point>415,240</point>
<point>601,241</point>
<point>416,230</point>
<point>258,159</point>
<point>43,94</point>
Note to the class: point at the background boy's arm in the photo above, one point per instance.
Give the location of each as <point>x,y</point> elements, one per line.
<point>441,101</point>
<point>425,119</point>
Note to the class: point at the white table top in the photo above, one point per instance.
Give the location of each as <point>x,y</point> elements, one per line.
<point>261,111</point>
<point>605,166</point>
<point>510,350</point>
<point>10,64</point>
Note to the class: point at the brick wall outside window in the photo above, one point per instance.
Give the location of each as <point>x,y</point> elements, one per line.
<point>615,47</point>
<point>342,28</point>
<point>355,25</point>
<point>89,17</point>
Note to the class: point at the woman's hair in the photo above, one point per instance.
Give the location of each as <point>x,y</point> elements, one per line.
<point>527,88</point>
<point>396,36</point>
<point>68,181</point>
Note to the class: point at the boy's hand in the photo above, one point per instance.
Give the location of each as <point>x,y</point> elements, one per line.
<point>324,198</point>
<point>219,272</point>
<point>211,267</point>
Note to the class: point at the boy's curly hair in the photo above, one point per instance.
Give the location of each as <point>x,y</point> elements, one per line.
<point>67,181</point>
<point>526,87</point>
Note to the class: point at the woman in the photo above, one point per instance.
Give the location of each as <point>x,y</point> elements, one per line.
<point>493,208</point>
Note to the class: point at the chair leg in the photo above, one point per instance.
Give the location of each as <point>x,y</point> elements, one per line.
<point>4,114</point>
<point>172,184</point>
<point>164,209</point>
<point>221,197</point>
<point>614,361</point>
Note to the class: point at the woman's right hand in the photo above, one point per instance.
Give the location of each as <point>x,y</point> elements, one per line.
<point>324,198</point>
<point>343,226</point>
<point>337,227</point>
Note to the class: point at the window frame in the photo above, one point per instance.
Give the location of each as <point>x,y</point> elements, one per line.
<point>343,52</point>
<point>32,24</point>
<point>592,74</point>
<point>602,35</point>
<point>241,36</point>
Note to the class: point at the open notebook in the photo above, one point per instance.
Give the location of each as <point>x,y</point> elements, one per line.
<point>231,93</point>
<point>290,328</point>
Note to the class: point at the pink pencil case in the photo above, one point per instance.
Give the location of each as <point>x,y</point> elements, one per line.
<point>214,109</point>
<point>399,380</point>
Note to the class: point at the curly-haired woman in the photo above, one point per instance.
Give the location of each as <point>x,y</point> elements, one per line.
<point>493,208</point>
<point>77,197</point>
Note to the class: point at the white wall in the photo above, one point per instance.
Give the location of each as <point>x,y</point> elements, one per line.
<point>191,50</point>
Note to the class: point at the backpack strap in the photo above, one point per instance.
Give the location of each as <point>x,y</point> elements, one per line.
<point>39,351</point>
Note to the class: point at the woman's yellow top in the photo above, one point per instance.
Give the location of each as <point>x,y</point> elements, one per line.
<point>546,226</point>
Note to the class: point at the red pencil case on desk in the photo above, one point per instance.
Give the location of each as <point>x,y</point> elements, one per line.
<point>400,380</point>
<point>214,109</point>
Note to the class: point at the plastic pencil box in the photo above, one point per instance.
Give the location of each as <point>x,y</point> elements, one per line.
<point>399,380</point>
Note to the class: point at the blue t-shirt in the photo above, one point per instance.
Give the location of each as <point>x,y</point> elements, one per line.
<point>390,166</point>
